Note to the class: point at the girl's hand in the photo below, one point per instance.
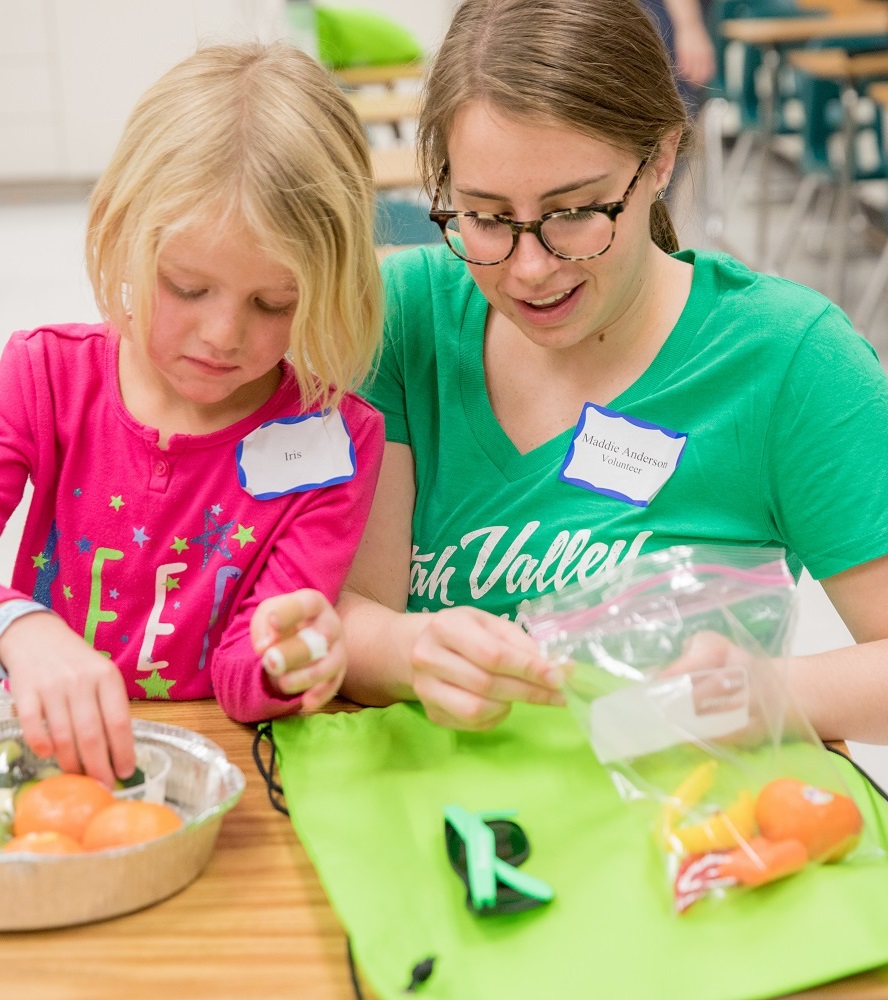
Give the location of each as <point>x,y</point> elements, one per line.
<point>469,666</point>
<point>299,637</point>
<point>71,701</point>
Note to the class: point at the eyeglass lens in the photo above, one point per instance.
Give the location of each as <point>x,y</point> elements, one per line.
<point>583,234</point>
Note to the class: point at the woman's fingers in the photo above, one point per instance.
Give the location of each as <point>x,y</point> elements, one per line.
<point>470,666</point>
<point>452,706</point>
<point>496,646</point>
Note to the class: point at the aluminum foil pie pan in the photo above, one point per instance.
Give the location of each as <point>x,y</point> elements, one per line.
<point>43,890</point>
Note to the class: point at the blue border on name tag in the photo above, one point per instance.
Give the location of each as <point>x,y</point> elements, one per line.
<point>317,415</point>
<point>615,415</point>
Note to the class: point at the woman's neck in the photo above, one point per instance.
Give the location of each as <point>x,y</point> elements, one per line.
<point>537,392</point>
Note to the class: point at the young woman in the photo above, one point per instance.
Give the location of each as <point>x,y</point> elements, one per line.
<point>563,389</point>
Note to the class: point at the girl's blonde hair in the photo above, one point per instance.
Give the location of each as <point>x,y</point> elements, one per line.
<point>597,67</point>
<point>259,135</point>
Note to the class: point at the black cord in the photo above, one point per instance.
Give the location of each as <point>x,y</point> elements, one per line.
<point>273,788</point>
<point>353,972</point>
<point>421,972</point>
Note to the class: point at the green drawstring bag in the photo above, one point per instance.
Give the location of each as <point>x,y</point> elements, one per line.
<point>366,793</point>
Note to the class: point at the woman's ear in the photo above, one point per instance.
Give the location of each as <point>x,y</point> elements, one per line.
<point>664,162</point>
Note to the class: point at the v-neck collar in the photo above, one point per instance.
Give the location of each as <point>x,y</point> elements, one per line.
<point>488,432</point>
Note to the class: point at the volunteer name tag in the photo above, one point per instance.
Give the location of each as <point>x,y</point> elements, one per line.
<point>295,454</point>
<point>621,456</point>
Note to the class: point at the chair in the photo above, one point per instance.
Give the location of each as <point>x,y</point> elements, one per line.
<point>875,290</point>
<point>735,92</point>
<point>403,223</point>
<point>818,164</point>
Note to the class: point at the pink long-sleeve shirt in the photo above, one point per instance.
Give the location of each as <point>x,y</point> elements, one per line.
<point>158,557</point>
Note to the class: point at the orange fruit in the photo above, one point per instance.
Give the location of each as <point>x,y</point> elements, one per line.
<point>45,842</point>
<point>62,803</point>
<point>129,822</point>
<point>827,823</point>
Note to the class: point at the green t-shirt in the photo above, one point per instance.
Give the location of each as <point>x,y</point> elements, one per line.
<point>784,405</point>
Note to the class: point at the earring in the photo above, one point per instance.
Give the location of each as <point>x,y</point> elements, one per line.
<point>661,194</point>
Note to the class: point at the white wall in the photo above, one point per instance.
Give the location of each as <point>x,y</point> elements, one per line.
<point>71,71</point>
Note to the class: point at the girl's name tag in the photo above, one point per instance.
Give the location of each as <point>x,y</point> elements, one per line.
<point>621,456</point>
<point>294,454</point>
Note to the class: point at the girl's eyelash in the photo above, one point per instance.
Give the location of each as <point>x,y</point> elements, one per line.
<point>190,294</point>
<point>273,310</point>
<point>184,293</point>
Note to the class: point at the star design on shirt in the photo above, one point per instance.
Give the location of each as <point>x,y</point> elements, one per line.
<point>66,590</point>
<point>156,686</point>
<point>83,544</point>
<point>213,528</point>
<point>40,561</point>
<point>244,535</point>
<point>177,605</point>
<point>124,638</point>
<point>114,594</point>
<point>78,492</point>
<point>216,509</point>
<point>171,583</point>
<point>179,544</point>
<point>117,502</point>
<point>140,536</point>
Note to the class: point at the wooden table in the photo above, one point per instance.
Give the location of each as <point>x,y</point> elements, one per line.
<point>384,109</point>
<point>395,167</point>
<point>365,76</point>
<point>255,924</point>
<point>774,36</point>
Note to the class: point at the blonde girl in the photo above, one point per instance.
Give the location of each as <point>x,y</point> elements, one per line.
<point>200,451</point>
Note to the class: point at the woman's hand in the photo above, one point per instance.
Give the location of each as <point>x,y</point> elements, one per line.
<point>469,666</point>
<point>71,701</point>
<point>299,637</point>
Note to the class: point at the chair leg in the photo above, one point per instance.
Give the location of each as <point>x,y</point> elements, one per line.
<point>872,293</point>
<point>781,253</point>
<point>737,162</point>
<point>712,118</point>
<point>818,243</point>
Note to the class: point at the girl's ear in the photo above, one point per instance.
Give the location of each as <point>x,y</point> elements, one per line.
<point>664,163</point>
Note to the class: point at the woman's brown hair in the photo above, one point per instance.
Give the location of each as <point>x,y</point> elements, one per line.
<point>598,67</point>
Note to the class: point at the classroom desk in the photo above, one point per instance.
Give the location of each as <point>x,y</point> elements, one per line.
<point>395,167</point>
<point>366,76</point>
<point>878,280</point>
<point>384,109</point>
<point>850,71</point>
<point>774,36</point>
<point>255,924</point>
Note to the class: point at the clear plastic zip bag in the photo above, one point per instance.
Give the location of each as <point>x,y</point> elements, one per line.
<point>674,666</point>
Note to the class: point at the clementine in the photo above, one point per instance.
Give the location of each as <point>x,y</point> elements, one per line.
<point>62,803</point>
<point>827,823</point>
<point>44,842</point>
<point>129,822</point>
